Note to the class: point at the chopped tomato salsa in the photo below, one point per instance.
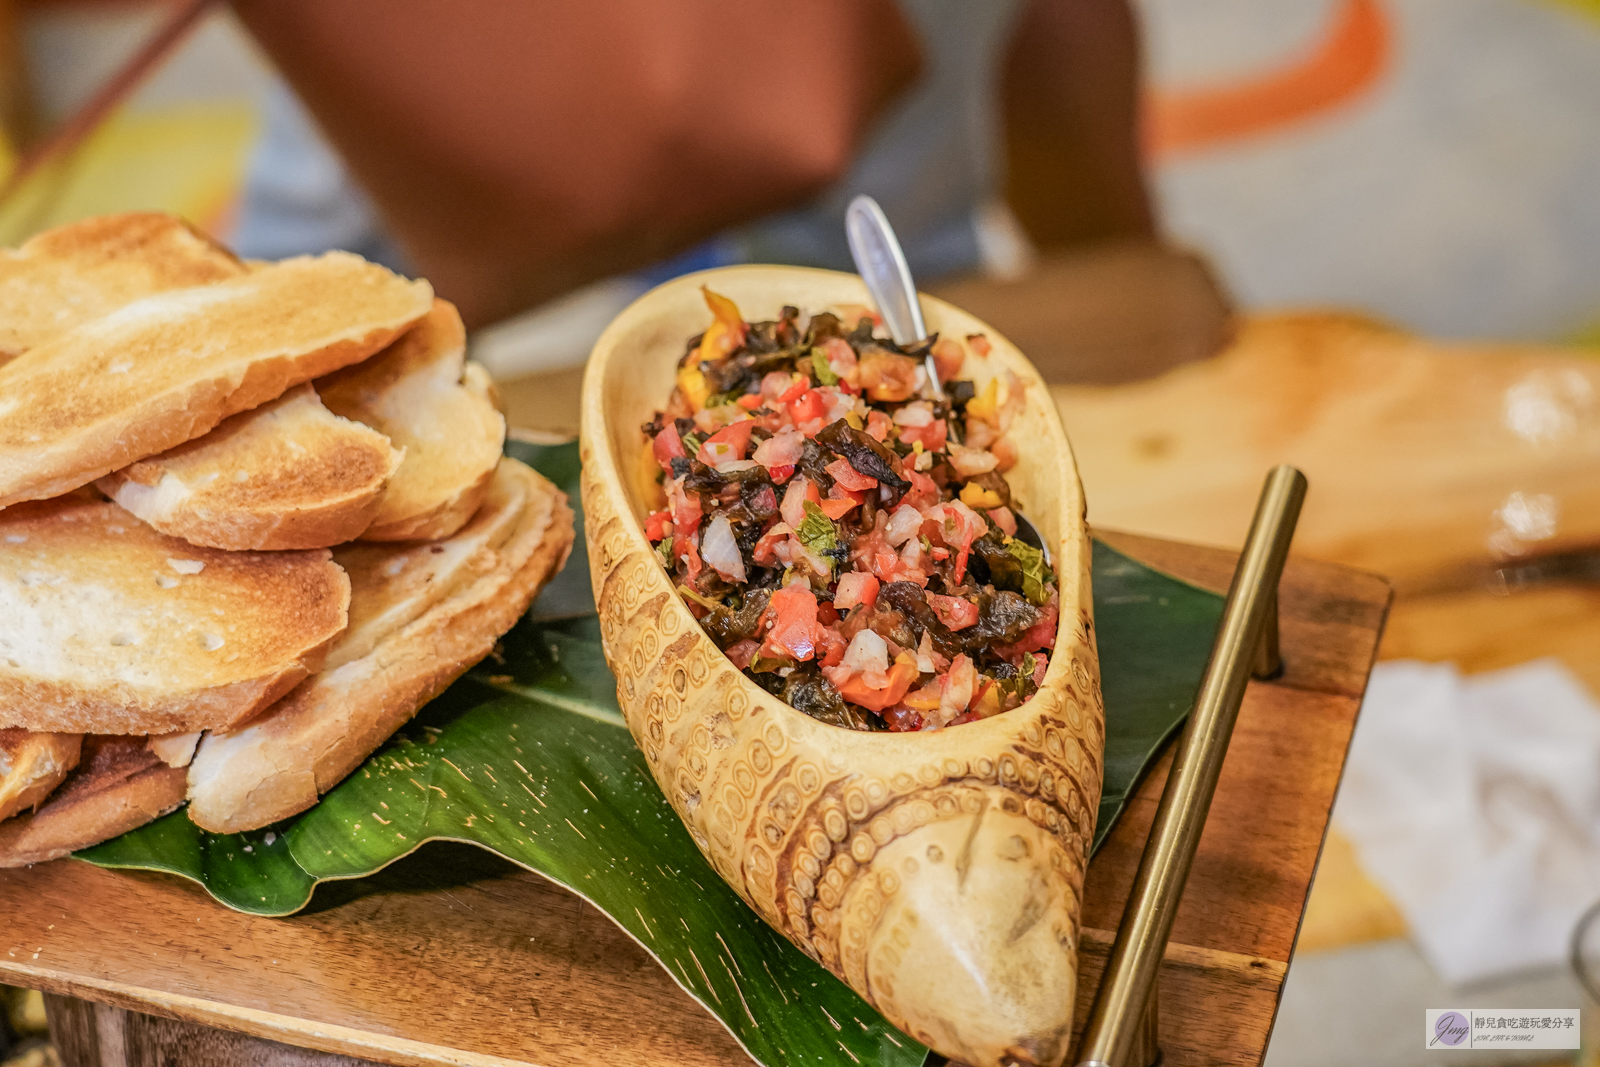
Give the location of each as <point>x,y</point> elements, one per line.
<point>846,538</point>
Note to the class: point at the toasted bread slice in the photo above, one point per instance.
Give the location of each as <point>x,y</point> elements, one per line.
<point>75,273</point>
<point>110,627</point>
<point>289,474</point>
<point>31,765</point>
<point>428,400</point>
<point>168,368</point>
<point>118,785</point>
<point>420,619</point>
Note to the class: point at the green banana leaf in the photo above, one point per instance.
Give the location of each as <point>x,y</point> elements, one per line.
<point>528,756</point>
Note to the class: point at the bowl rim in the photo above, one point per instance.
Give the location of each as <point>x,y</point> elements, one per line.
<point>595,438</point>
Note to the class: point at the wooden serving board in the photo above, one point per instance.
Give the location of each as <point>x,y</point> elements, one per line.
<point>454,956</point>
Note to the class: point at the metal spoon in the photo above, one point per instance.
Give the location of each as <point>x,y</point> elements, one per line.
<point>882,266</point>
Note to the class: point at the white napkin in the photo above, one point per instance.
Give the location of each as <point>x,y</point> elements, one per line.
<point>1474,803</point>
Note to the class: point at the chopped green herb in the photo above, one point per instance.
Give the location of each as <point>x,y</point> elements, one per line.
<point>664,552</point>
<point>820,369</point>
<point>718,399</point>
<point>692,443</point>
<point>818,532</point>
<point>1035,576</point>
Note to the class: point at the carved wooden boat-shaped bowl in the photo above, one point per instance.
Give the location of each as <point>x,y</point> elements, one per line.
<point>938,873</point>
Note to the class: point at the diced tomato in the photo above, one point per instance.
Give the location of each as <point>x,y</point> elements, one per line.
<point>955,612</point>
<point>812,404</point>
<point>833,647</point>
<point>791,622</point>
<point>798,386</point>
<point>940,553</point>
<point>1004,519</point>
<point>666,445</point>
<point>837,508</point>
<point>856,690</point>
<point>683,547</point>
<point>879,424</point>
<point>979,344</point>
<point>849,477</point>
<point>657,525</point>
<point>923,491</point>
<point>887,376</point>
<point>686,515</point>
<point>826,613</point>
<point>781,473</point>
<point>932,436</point>
<point>742,653</point>
<point>765,550</point>
<point>727,443</point>
<point>856,587</point>
<point>947,358</point>
<point>750,401</point>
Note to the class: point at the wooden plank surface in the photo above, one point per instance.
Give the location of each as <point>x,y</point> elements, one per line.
<point>456,956</point>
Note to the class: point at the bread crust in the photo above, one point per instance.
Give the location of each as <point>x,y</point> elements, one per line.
<point>279,765</point>
<point>32,765</point>
<point>169,368</point>
<point>287,475</point>
<point>119,785</point>
<point>114,628</point>
<point>424,395</point>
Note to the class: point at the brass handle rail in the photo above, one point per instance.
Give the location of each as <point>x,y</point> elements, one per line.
<point>1121,1026</point>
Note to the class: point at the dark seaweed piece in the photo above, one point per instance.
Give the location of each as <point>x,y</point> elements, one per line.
<point>862,335</point>
<point>731,625</point>
<point>685,427</point>
<point>806,690</point>
<point>823,326</point>
<point>866,453</point>
<point>814,462</point>
<point>1003,618</point>
<point>681,465</point>
<point>908,598</point>
<point>959,392</point>
<point>768,680</point>
<point>1003,570</point>
<point>729,377</point>
<point>755,501</point>
<point>704,478</point>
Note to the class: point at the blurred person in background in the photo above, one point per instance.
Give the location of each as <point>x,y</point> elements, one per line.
<point>513,153</point>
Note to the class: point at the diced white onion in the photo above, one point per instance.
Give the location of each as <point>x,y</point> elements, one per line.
<point>903,525</point>
<point>867,652</point>
<point>721,551</point>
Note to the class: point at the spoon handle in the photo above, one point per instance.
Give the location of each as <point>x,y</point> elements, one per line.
<point>882,266</point>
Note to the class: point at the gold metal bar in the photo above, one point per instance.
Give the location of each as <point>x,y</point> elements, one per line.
<point>1268,660</point>
<point>1113,1033</point>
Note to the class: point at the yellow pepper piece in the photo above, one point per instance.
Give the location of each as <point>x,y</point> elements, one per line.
<point>986,405</point>
<point>852,420</point>
<point>725,333</point>
<point>974,495</point>
<point>694,385</point>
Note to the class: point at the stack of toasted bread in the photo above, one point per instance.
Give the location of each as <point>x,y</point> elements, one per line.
<point>252,517</point>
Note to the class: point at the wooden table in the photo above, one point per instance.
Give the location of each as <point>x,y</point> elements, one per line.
<point>455,956</point>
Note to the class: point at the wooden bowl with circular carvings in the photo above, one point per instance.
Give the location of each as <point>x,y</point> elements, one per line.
<point>938,873</point>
